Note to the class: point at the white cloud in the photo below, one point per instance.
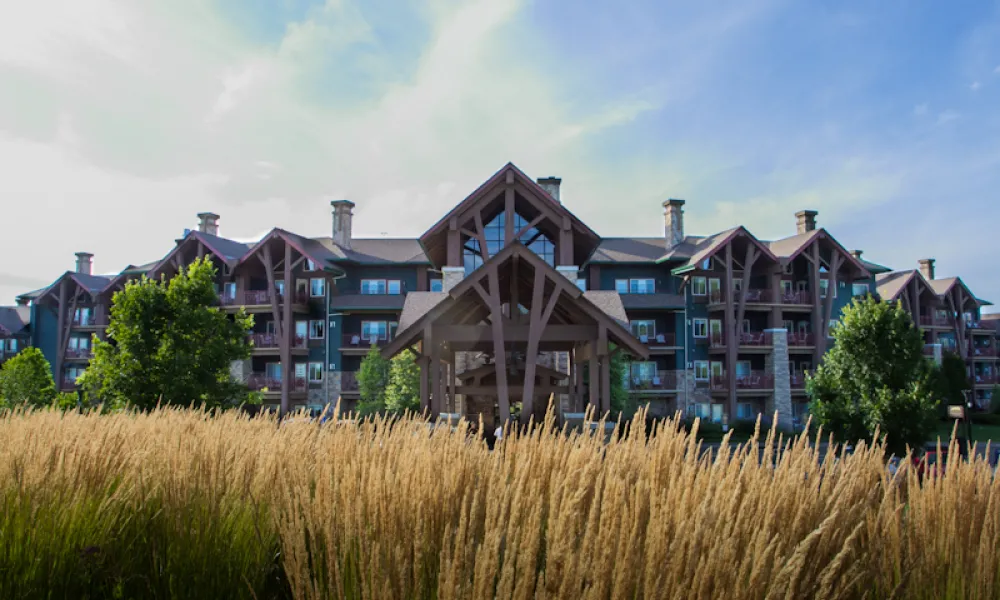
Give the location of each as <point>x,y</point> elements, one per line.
<point>974,86</point>
<point>947,116</point>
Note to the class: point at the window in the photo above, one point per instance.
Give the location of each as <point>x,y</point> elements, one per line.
<point>715,287</point>
<point>646,327</point>
<point>642,286</point>
<point>301,288</point>
<point>581,284</point>
<point>745,411</point>
<point>715,328</point>
<point>737,285</point>
<point>830,327</point>
<point>374,330</point>
<point>801,286</point>
<point>394,287</point>
<point>11,345</point>
<point>279,286</point>
<point>743,368</point>
<point>745,326</point>
<point>859,289</point>
<point>373,286</point>
<point>437,285</point>
<point>803,326</point>
<point>82,316</point>
<point>700,327</point>
<point>702,410</point>
<point>229,290</point>
<point>310,265</point>
<point>701,370</point>
<point>535,240</point>
<point>316,329</point>
<point>699,286</point>
<point>317,287</point>
<point>273,371</point>
<point>717,370</point>
<point>786,286</point>
<point>269,327</point>
<point>621,286</point>
<point>315,372</point>
<point>301,330</point>
<point>787,269</point>
<point>300,370</point>
<point>789,326</point>
<point>824,285</point>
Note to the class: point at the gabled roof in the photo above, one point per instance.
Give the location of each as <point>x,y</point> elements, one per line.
<point>313,249</point>
<point>228,251</point>
<point>92,284</point>
<point>14,319</point>
<point>942,286</point>
<point>604,307</point>
<point>584,235</point>
<point>789,248</point>
<point>890,285</point>
<point>709,246</point>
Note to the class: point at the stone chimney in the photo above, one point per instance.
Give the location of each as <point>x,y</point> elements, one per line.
<point>927,268</point>
<point>856,254</point>
<point>343,214</point>
<point>551,185</point>
<point>673,222</point>
<point>84,263</point>
<point>208,223</point>
<point>805,221</point>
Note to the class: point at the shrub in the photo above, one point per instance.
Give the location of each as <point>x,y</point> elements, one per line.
<point>26,380</point>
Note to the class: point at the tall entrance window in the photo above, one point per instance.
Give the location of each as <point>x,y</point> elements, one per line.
<point>534,239</point>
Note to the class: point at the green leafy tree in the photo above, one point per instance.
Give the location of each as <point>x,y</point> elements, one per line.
<point>373,378</point>
<point>950,379</point>
<point>26,380</point>
<point>403,391</point>
<point>618,370</point>
<point>875,376</point>
<point>170,343</point>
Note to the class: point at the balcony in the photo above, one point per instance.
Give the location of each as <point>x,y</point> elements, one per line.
<point>662,381</point>
<point>982,351</point>
<point>356,341</point>
<point>658,340</point>
<point>88,320</point>
<point>753,295</point>
<point>798,297</point>
<point>928,349</point>
<point>987,379</point>
<point>349,383</point>
<point>260,382</point>
<point>68,383</point>
<point>934,321</point>
<point>753,381</point>
<point>80,353</point>
<point>260,298</point>
<point>270,341</point>
<point>797,380</point>
<point>800,339</point>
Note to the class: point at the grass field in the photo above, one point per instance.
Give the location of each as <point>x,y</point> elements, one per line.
<point>179,504</point>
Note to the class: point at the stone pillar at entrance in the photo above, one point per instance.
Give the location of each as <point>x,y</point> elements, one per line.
<point>781,399</point>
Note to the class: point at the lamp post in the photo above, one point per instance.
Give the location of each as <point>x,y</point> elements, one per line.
<point>968,419</point>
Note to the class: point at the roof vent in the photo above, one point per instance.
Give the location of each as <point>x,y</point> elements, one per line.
<point>84,263</point>
<point>208,223</point>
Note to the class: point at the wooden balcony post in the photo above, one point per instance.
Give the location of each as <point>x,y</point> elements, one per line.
<point>730,329</point>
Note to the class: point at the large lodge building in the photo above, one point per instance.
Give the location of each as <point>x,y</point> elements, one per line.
<point>722,326</point>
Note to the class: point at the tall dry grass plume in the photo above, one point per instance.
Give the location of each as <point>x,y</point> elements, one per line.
<point>183,504</point>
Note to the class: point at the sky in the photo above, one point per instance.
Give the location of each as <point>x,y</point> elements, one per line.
<point>120,121</point>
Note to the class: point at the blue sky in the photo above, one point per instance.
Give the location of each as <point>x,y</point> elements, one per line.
<point>120,121</point>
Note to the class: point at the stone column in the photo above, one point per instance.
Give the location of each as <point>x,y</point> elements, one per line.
<point>781,400</point>
<point>450,277</point>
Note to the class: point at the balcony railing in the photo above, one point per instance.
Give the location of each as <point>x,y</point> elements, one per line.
<point>982,351</point>
<point>356,340</point>
<point>260,381</point>
<point>987,379</point>
<point>797,297</point>
<point>798,380</point>
<point>928,349</point>
<point>79,352</point>
<point>660,339</point>
<point>755,380</point>
<point>68,383</point>
<point>934,321</point>
<point>271,340</point>
<point>663,380</point>
<point>755,338</point>
<point>753,296</point>
<point>259,298</point>
<point>377,291</point>
<point>349,382</point>
<point>89,320</point>
<point>799,338</point>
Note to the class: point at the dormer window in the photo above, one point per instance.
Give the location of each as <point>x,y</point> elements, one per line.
<point>310,265</point>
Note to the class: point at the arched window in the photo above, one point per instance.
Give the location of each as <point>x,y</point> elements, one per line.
<point>534,239</point>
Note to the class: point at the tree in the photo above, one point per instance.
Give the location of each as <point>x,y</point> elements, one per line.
<point>170,343</point>
<point>26,380</point>
<point>618,370</point>
<point>373,378</point>
<point>403,391</point>
<point>875,376</point>
<point>950,379</point>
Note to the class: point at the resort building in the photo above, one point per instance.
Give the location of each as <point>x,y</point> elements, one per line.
<point>509,299</point>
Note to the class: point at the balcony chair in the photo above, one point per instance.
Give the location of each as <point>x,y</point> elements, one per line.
<point>644,338</point>
<point>661,339</point>
<point>355,340</point>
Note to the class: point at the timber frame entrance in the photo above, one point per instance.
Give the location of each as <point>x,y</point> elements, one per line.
<point>512,308</point>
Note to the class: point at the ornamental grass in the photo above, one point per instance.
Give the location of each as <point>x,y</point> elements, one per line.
<point>186,504</point>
